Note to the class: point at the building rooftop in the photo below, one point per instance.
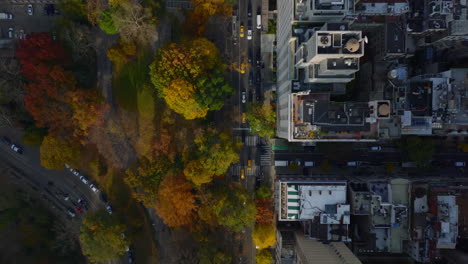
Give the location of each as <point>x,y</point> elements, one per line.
<point>447,212</point>
<point>312,251</point>
<point>308,199</point>
<point>395,35</point>
<point>314,116</point>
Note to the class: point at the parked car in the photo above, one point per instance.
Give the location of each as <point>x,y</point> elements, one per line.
<point>249,33</point>
<point>353,163</point>
<point>30,10</point>
<point>244,97</point>
<point>241,30</point>
<point>66,197</point>
<point>83,203</point>
<point>16,148</point>
<point>109,209</point>
<point>460,164</point>
<point>84,180</point>
<point>79,210</point>
<point>6,141</point>
<point>376,148</point>
<point>244,118</point>
<point>94,188</point>
<point>71,213</point>
<point>10,32</point>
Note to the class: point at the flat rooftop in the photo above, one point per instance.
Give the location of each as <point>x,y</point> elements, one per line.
<point>419,98</point>
<point>395,34</point>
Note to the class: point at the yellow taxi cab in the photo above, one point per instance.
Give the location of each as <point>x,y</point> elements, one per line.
<point>242,174</point>
<point>244,118</point>
<point>241,31</point>
<point>242,68</point>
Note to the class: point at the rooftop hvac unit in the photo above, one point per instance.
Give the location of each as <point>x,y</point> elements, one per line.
<point>325,41</point>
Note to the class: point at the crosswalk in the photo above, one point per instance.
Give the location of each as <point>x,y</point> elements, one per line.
<point>251,141</point>
<point>236,170</point>
<point>265,157</point>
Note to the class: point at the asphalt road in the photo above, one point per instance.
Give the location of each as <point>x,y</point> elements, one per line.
<point>372,163</point>
<point>51,185</point>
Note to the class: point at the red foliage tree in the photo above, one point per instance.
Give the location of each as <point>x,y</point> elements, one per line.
<point>264,211</point>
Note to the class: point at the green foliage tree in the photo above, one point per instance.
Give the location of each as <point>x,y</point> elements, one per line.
<point>73,9</point>
<point>263,192</point>
<point>208,253</point>
<point>195,62</point>
<point>55,153</point>
<point>262,119</point>
<point>106,22</point>
<point>264,235</point>
<point>33,135</point>
<point>215,153</point>
<point>418,149</point>
<point>230,207</point>
<point>264,257</point>
<point>146,177</point>
<point>101,237</point>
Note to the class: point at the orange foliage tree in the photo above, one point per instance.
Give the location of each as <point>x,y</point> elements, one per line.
<point>175,202</point>
<point>264,211</point>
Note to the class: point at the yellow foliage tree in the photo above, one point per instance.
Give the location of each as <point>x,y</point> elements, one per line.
<point>264,235</point>
<point>175,202</point>
<point>180,97</point>
<point>55,153</point>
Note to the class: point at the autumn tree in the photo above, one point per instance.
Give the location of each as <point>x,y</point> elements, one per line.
<point>146,177</point>
<point>55,153</point>
<point>121,53</point>
<point>265,213</point>
<point>176,202</point>
<point>101,237</point>
<point>195,62</point>
<point>262,119</point>
<point>264,235</point>
<point>264,257</point>
<point>214,154</point>
<point>180,97</point>
<point>134,22</point>
<point>209,253</point>
<point>203,10</point>
<point>418,149</point>
<point>230,207</point>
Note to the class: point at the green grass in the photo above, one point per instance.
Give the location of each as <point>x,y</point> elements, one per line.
<point>130,79</point>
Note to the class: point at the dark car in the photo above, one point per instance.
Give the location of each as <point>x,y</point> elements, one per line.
<point>250,79</point>
<point>6,141</point>
<point>16,148</point>
<point>249,9</point>
<point>250,56</point>
<point>257,78</point>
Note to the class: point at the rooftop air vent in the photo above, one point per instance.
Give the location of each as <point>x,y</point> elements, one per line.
<point>325,41</point>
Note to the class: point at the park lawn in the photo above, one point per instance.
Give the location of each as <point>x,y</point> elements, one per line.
<point>130,79</point>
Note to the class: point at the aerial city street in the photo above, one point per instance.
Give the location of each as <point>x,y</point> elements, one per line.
<point>234,132</point>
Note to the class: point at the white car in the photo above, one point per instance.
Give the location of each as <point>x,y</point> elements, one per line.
<point>10,33</point>
<point>70,213</point>
<point>244,97</point>
<point>94,188</point>
<point>376,148</point>
<point>84,180</point>
<point>30,10</point>
<point>109,209</point>
<point>249,34</point>
<point>460,164</point>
